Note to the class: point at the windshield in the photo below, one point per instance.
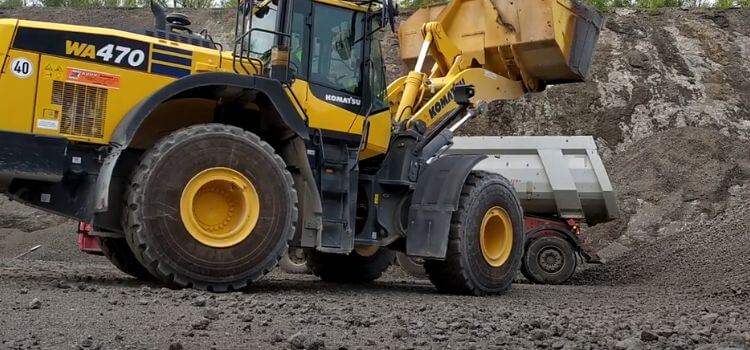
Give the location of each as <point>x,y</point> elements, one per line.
<point>336,53</point>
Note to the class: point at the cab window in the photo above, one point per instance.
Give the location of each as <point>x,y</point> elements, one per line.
<point>378,84</point>
<point>261,42</point>
<point>336,59</point>
<point>300,37</point>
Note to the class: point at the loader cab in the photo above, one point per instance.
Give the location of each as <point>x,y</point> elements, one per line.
<point>326,50</point>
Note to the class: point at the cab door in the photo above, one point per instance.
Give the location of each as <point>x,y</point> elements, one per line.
<point>335,68</point>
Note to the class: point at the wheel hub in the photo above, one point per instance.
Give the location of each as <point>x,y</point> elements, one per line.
<point>366,250</point>
<point>550,260</point>
<point>219,207</point>
<point>496,236</point>
<point>297,256</point>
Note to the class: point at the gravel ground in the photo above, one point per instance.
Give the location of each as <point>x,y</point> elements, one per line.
<point>69,305</point>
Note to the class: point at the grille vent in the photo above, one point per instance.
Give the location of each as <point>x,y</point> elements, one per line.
<point>83,108</point>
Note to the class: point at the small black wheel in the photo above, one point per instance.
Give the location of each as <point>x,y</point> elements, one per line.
<point>361,265</point>
<point>211,207</point>
<point>119,254</point>
<point>294,262</point>
<point>412,266</point>
<point>549,259</point>
<point>486,239</point>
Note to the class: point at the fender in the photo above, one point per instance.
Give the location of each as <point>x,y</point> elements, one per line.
<point>129,125</point>
<point>435,198</point>
<point>542,231</point>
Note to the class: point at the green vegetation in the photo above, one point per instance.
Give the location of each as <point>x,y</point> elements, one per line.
<point>11,3</point>
<point>605,4</point>
<point>656,4</point>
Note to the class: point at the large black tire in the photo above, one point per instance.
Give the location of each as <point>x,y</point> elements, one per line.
<point>352,268</point>
<point>119,254</point>
<point>294,262</point>
<point>157,231</point>
<point>549,260</point>
<point>412,266</point>
<point>465,269</point>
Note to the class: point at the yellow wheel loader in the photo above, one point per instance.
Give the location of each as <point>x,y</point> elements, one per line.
<point>199,165</point>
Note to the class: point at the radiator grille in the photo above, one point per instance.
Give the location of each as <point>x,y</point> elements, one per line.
<point>83,108</point>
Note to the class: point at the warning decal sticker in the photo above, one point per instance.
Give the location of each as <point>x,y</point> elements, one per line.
<point>91,78</point>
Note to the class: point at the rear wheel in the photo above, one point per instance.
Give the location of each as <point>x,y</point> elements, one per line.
<point>549,260</point>
<point>210,206</point>
<point>360,266</point>
<point>119,254</point>
<point>486,239</point>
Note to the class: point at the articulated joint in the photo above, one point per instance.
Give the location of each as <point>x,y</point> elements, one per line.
<point>413,87</point>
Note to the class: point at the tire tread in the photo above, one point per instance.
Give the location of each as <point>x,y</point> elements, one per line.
<point>135,234</point>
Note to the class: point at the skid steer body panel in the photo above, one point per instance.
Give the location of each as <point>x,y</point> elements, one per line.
<point>435,199</point>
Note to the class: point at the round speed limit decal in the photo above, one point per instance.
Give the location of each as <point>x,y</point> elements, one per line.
<point>21,67</point>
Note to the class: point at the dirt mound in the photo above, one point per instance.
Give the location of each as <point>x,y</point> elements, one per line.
<point>57,243</point>
<point>23,227</point>
<point>684,202</point>
<point>219,22</point>
<point>18,216</point>
<point>651,72</point>
<point>671,181</point>
<point>712,257</point>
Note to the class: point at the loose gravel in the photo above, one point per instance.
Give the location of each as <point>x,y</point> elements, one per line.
<point>49,305</point>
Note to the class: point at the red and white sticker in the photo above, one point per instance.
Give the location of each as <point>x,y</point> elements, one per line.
<point>91,78</point>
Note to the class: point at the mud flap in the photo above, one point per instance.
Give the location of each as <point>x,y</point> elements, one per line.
<point>433,203</point>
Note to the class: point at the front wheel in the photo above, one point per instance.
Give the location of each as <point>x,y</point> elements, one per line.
<point>485,245</point>
<point>211,207</point>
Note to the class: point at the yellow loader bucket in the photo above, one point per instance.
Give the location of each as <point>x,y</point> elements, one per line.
<point>551,41</point>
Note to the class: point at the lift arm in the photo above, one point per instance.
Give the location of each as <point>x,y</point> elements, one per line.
<point>503,48</point>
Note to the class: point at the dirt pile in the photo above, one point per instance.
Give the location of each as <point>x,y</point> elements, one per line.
<point>710,257</point>
<point>23,227</point>
<point>671,181</point>
<point>651,72</point>
<point>18,216</point>
<point>684,197</point>
<point>218,22</point>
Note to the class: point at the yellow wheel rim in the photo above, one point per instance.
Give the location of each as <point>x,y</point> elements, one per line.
<point>366,250</point>
<point>496,236</point>
<point>219,207</point>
